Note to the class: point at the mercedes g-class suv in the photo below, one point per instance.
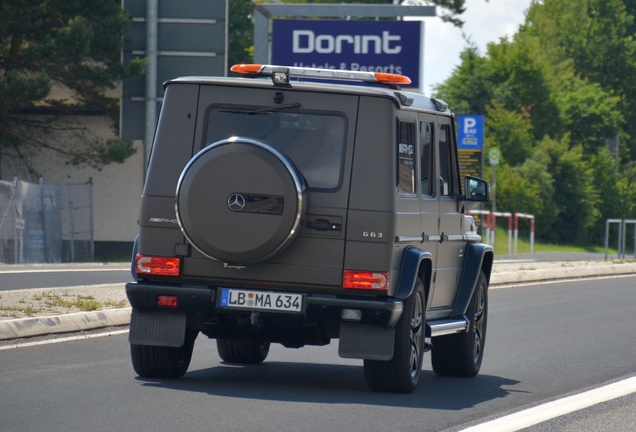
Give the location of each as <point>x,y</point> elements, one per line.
<point>298,205</point>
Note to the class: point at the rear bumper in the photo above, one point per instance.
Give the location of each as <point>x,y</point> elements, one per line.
<point>318,307</point>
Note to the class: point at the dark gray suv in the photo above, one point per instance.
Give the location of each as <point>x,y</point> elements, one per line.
<point>299,205</point>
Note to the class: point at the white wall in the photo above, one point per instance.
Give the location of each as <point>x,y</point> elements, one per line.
<point>116,188</point>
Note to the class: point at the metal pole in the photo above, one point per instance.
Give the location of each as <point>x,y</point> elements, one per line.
<point>152,8</point>
<point>91,216</point>
<point>516,232</point>
<point>43,216</point>
<point>532,237</point>
<point>619,222</point>
<point>606,237</point>
<point>620,239</point>
<point>71,220</point>
<point>623,240</point>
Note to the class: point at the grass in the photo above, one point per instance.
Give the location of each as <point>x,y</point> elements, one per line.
<point>13,311</point>
<point>65,300</point>
<point>523,245</point>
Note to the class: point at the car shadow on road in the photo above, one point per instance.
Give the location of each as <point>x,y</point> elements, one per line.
<point>334,384</point>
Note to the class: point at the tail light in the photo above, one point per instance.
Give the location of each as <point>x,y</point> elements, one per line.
<point>167,301</point>
<point>356,279</point>
<point>158,266</point>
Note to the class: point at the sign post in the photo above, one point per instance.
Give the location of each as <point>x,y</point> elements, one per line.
<point>494,154</point>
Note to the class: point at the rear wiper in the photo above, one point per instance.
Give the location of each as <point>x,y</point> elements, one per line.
<point>263,110</point>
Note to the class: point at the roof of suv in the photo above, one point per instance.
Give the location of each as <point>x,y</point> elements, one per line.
<point>406,99</point>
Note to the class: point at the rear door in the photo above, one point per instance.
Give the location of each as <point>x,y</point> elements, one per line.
<point>315,133</point>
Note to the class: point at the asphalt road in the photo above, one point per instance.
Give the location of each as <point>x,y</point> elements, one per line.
<point>544,341</point>
<point>15,277</point>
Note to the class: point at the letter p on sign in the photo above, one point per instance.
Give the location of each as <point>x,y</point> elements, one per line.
<point>469,125</point>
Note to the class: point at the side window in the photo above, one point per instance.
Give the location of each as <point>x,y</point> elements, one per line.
<point>406,158</point>
<point>426,151</point>
<point>446,186</point>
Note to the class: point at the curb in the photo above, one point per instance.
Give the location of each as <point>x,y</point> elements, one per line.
<point>560,273</point>
<point>73,322</point>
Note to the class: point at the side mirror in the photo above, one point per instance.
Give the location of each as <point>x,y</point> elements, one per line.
<point>476,189</point>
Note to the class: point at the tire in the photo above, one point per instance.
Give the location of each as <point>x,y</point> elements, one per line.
<point>460,355</point>
<point>402,373</point>
<point>240,201</point>
<point>242,351</point>
<point>163,362</point>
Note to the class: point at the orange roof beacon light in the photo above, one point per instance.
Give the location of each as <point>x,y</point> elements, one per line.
<point>256,70</point>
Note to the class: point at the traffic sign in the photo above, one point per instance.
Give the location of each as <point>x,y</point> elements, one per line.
<point>494,154</point>
<point>470,132</point>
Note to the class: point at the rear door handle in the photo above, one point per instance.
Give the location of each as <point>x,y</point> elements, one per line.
<point>324,225</point>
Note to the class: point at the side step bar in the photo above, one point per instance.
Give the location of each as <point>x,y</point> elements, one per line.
<point>448,326</point>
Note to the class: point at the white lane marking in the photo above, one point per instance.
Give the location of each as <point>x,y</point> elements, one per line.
<point>61,340</point>
<point>45,270</point>
<point>560,407</point>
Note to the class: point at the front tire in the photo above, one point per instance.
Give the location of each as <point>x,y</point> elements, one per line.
<point>402,373</point>
<point>151,361</point>
<point>460,355</point>
<point>242,351</point>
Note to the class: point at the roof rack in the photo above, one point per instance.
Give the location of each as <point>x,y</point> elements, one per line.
<point>282,74</point>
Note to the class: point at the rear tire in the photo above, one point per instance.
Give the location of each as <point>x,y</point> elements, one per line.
<point>402,373</point>
<point>163,362</point>
<point>460,355</point>
<point>242,351</point>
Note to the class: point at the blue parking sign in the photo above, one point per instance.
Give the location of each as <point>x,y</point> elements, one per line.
<point>470,130</point>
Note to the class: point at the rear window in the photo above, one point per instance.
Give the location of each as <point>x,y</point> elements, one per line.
<point>314,142</point>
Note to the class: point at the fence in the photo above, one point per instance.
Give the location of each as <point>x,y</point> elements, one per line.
<point>42,223</point>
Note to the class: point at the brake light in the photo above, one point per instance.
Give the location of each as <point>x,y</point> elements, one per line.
<point>158,266</point>
<point>356,279</point>
<point>167,301</point>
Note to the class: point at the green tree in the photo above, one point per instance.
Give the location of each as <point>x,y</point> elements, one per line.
<point>575,197</point>
<point>588,112</point>
<point>73,47</point>
<point>597,38</point>
<point>511,131</point>
<point>554,96</point>
<point>469,88</point>
<point>615,184</point>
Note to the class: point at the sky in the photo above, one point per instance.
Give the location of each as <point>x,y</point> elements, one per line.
<point>484,23</point>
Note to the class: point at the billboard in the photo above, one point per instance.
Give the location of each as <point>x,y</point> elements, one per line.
<point>374,46</point>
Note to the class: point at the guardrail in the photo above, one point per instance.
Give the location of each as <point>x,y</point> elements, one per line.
<point>531,218</point>
<point>491,218</point>
<point>622,235</point>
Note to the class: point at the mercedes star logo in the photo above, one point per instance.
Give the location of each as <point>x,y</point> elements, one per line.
<point>236,202</point>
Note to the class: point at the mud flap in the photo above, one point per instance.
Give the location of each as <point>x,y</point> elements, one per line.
<point>157,328</point>
<point>364,341</point>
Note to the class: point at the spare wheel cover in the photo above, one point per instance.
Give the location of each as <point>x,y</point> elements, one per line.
<point>240,201</point>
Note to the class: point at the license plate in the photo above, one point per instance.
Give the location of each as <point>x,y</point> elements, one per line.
<point>260,300</point>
